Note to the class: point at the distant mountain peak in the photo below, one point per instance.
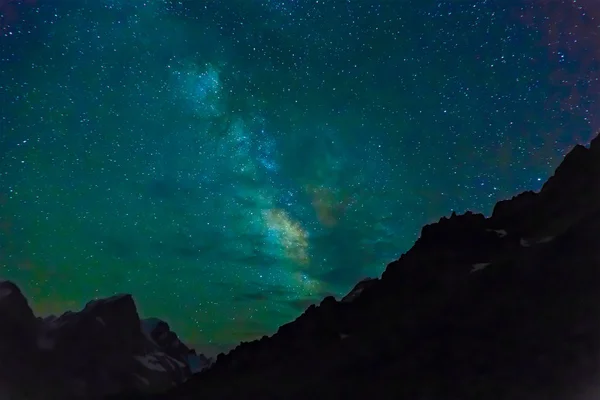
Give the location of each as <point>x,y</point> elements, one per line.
<point>103,349</point>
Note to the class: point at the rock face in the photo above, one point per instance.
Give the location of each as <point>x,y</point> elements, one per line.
<point>358,289</point>
<point>505,307</point>
<point>103,349</point>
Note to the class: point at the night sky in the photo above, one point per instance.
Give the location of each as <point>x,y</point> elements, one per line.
<point>229,162</point>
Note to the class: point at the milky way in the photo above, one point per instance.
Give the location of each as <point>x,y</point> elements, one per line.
<point>231,162</point>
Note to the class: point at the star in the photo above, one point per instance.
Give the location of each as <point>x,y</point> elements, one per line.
<point>229,163</point>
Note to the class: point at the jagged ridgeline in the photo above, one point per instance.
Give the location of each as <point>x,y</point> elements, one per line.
<point>101,350</point>
<point>505,307</point>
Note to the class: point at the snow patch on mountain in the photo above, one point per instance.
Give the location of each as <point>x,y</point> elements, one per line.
<point>149,361</point>
<point>143,379</point>
<point>529,243</point>
<point>500,232</point>
<point>479,266</point>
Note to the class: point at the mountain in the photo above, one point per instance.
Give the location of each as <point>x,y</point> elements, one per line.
<point>101,350</point>
<point>505,307</point>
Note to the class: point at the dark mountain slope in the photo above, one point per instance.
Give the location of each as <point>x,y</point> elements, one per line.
<point>506,307</point>
<point>104,348</point>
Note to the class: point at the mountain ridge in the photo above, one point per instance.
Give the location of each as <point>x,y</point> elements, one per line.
<point>103,349</point>
<point>421,311</point>
<point>498,307</point>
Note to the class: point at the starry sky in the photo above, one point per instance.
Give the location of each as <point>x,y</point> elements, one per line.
<point>231,162</point>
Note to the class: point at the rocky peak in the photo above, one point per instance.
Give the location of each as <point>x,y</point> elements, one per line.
<point>595,145</point>
<point>17,321</point>
<point>358,289</point>
<point>13,304</point>
<point>167,339</point>
<point>457,226</point>
<point>113,309</point>
<point>514,208</point>
<point>159,333</point>
<point>99,350</point>
<point>567,195</point>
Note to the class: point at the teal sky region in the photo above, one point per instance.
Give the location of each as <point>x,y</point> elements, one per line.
<point>231,162</point>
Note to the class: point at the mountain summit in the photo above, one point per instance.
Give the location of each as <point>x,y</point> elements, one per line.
<point>101,350</point>
<point>505,307</point>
